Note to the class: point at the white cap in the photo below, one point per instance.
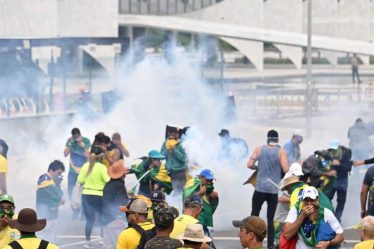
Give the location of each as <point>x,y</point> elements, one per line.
<point>334,144</point>
<point>294,170</point>
<point>310,192</point>
<point>297,133</point>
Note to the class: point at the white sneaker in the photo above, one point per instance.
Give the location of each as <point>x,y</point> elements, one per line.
<point>88,244</point>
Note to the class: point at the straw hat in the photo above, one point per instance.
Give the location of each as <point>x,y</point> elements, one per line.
<point>117,169</point>
<point>194,233</point>
<point>288,181</point>
<point>27,221</point>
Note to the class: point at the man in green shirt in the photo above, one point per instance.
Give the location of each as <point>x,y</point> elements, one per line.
<point>252,232</point>
<point>77,147</point>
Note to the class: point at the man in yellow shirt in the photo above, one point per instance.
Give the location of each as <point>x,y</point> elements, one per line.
<point>192,209</point>
<point>7,208</point>
<point>136,213</point>
<point>27,223</point>
<point>3,166</point>
<point>366,233</point>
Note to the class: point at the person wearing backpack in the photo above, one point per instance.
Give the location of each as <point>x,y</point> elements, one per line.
<point>28,224</point>
<point>164,221</point>
<point>139,231</point>
<point>341,163</point>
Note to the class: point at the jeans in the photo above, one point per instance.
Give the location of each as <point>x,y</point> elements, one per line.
<point>72,179</point>
<point>340,187</point>
<point>92,208</point>
<point>355,73</point>
<point>272,200</point>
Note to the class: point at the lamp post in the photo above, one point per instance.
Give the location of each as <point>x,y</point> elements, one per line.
<point>309,73</point>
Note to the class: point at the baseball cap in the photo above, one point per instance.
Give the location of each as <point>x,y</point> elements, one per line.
<point>207,174</point>
<point>7,198</point>
<point>157,195</point>
<point>297,133</point>
<point>294,170</point>
<point>310,192</point>
<point>165,216</point>
<point>193,201</point>
<point>252,223</point>
<point>135,206</point>
<point>224,132</point>
<point>334,144</point>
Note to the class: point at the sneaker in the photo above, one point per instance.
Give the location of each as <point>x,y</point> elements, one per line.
<point>88,244</point>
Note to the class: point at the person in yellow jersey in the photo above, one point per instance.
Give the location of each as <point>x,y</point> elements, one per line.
<point>366,233</point>
<point>27,223</point>
<point>7,208</point>
<point>3,166</point>
<point>193,237</point>
<point>131,238</point>
<point>93,177</point>
<point>112,152</point>
<point>192,209</point>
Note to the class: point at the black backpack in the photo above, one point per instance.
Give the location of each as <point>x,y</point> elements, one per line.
<point>146,235</point>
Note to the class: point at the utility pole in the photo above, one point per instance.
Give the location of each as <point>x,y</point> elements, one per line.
<point>309,73</point>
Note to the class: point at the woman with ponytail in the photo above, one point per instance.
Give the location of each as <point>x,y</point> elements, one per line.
<point>93,177</point>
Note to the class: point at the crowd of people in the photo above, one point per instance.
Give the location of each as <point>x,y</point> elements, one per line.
<point>299,193</point>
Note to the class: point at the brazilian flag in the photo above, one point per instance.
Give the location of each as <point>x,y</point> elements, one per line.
<point>206,216</point>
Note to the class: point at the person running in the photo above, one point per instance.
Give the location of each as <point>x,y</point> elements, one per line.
<point>176,159</point>
<point>49,197</point>
<point>192,209</point>
<point>93,176</point>
<point>252,232</point>
<point>3,166</point>
<point>164,221</point>
<point>341,163</point>
<point>272,162</point>
<point>232,148</point>
<point>7,208</point>
<point>28,224</point>
<point>77,147</point>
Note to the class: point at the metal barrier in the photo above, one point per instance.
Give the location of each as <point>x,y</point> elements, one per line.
<point>21,106</point>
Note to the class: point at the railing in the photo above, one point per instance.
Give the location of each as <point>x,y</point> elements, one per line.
<point>163,7</point>
<point>18,106</point>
